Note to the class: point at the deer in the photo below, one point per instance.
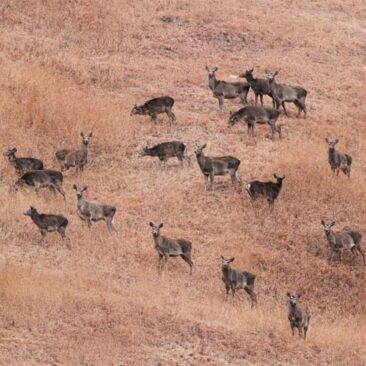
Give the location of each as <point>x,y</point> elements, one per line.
<point>38,179</point>
<point>260,87</point>
<point>252,115</point>
<point>347,239</point>
<point>236,280</point>
<point>155,106</point>
<point>225,90</point>
<point>282,93</point>
<point>216,166</point>
<point>48,223</point>
<point>90,212</point>
<point>338,161</point>
<point>23,165</point>
<point>167,150</point>
<point>270,190</point>
<point>298,317</point>
<point>75,158</point>
<point>171,248</point>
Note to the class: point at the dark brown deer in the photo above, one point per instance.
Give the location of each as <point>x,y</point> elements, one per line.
<point>347,239</point>
<point>260,87</point>
<point>155,106</point>
<point>338,161</point>
<point>269,190</point>
<point>216,166</point>
<point>252,115</point>
<point>166,150</point>
<point>171,247</point>
<point>48,223</point>
<point>38,179</point>
<point>298,317</point>
<point>283,93</point>
<point>237,280</point>
<point>75,158</point>
<point>23,165</point>
<point>224,90</point>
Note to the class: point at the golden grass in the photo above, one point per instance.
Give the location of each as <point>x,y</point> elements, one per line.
<point>82,66</point>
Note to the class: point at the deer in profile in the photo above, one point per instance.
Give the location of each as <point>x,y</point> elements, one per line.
<point>155,106</point>
<point>75,158</point>
<point>260,87</point>
<point>237,280</point>
<point>347,239</point>
<point>90,212</point>
<point>283,93</point>
<point>166,150</point>
<point>269,190</point>
<point>23,165</point>
<point>298,317</point>
<point>225,90</point>
<point>338,161</point>
<point>38,179</point>
<point>252,115</point>
<point>171,248</point>
<point>217,166</point>
<point>48,223</point>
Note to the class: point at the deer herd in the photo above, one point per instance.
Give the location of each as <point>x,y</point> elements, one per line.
<point>34,175</point>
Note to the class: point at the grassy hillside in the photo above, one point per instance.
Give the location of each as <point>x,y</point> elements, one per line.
<point>82,65</point>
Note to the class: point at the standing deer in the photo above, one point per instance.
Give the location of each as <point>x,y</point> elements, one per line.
<point>75,158</point>
<point>252,115</point>
<point>224,90</point>
<point>23,165</point>
<point>38,179</point>
<point>155,106</point>
<point>94,212</point>
<point>236,280</point>
<point>167,150</point>
<point>298,317</point>
<point>282,93</point>
<point>337,160</point>
<point>269,190</point>
<point>347,239</point>
<point>260,87</point>
<point>171,247</point>
<point>212,166</point>
<point>48,223</point>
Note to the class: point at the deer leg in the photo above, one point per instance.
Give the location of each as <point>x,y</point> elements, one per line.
<point>293,329</point>
<point>171,116</point>
<point>153,117</point>
<point>233,292</point>
<point>221,102</point>
<point>362,252</point>
<point>256,99</point>
<point>261,97</point>
<point>284,108</point>
<point>110,224</point>
<point>253,296</point>
<point>188,260</point>
<point>304,332</point>
<point>212,177</point>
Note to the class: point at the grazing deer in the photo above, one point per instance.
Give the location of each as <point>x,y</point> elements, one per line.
<point>48,223</point>
<point>347,239</point>
<point>337,160</point>
<point>167,150</point>
<point>298,317</point>
<point>94,212</point>
<point>23,165</point>
<point>171,247</point>
<point>282,93</point>
<point>212,166</point>
<point>75,158</point>
<point>252,115</point>
<point>260,87</point>
<point>155,106</point>
<point>224,90</point>
<point>38,179</point>
<point>236,280</point>
<point>269,190</point>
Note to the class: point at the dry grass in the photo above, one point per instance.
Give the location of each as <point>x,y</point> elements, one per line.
<point>82,65</point>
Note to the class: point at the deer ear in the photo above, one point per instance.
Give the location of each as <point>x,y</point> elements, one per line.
<point>336,141</point>
<point>322,222</point>
<point>276,73</point>
<point>251,70</point>
<point>81,133</point>
<point>85,188</point>
<point>283,177</point>
<point>75,187</point>
<point>207,68</point>
<point>326,140</point>
<point>288,294</point>
<point>215,69</point>
<point>90,134</point>
<point>151,224</point>
<point>232,259</point>
<point>203,146</point>
<point>231,113</point>
<point>14,150</point>
<point>298,295</point>
<point>275,175</point>
<point>333,223</point>
<point>161,225</point>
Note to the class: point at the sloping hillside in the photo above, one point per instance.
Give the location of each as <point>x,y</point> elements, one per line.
<point>82,65</point>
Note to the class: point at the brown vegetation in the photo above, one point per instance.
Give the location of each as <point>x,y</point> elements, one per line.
<point>82,65</point>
